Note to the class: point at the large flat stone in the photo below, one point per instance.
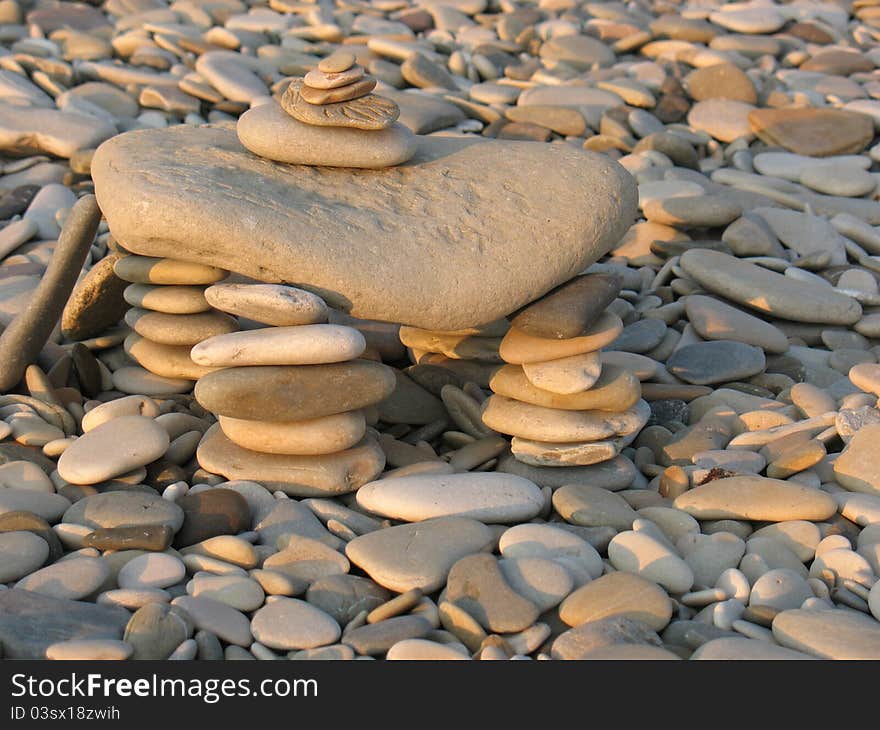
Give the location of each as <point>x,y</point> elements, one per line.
<point>446,241</point>
<point>30,622</point>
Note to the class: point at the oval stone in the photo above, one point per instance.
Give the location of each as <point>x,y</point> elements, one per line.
<point>21,553</point>
<point>113,449</point>
<point>327,435</point>
<point>288,623</point>
<point>296,392</point>
<point>310,344</point>
<point>618,594</point>
<point>274,304</point>
<point>488,497</point>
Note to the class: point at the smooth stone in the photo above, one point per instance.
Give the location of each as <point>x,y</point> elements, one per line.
<point>720,81</point>
<point>322,79</point>
<point>124,509</point>
<point>31,622</point>
<point>210,513</point>
<point>72,579</point>
<point>288,624</point>
<point>752,497</point>
<point>780,589</point>
<point>555,454</point>
<point>272,134</point>
<point>294,392</point>
<point>21,553</point>
<point>155,631</point>
<point>410,403</point>
<point>228,548</point>
<point>168,361</point>
<point>477,585</point>
<point>518,347</point>
<point>553,543</point>
<point>96,302</point>
<point>745,649</point>
<point>132,405</point>
<point>306,560</point>
<point>112,449</point>
<point>301,476</point>
<point>538,423</point>
<point>723,119</point>
<point>146,537</point>
<point>714,319</point>
<point>557,119</point>
<point>488,497</point>
<point>702,211</point>
<point>767,291</point>
<point>618,594</point>
<point>25,475</point>
<point>813,132</point>
<point>828,634</point>
<point>343,596</point>
<point>578,642</point>
<point>311,344</point>
<point>717,361</point>
<point>369,113</point>
<point>136,380</point>
<point>615,390</point>
<point>374,639</point>
<point>578,51</point>
<point>179,329</point>
<point>349,92</point>
<point>337,62</point>
<point>567,375</point>
<point>423,650</point>
<point>327,435</point>
<point>48,506</point>
<point>582,504</point>
<point>153,570</point>
<point>170,271</point>
<point>24,337</point>
<point>224,621</point>
<point>34,131</point>
<point>543,582</point>
<point>642,554</point>
<point>216,231</point>
<point>285,517</point>
<point>418,555</point>
<point>569,310</point>
<point>272,304</point>
<point>90,650</point>
<point>838,180</point>
<point>32,523</point>
<point>857,468</point>
<point>167,299</point>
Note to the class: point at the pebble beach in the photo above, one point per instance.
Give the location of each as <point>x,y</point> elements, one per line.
<point>439,330</point>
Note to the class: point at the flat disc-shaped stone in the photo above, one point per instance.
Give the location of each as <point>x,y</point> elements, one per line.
<point>452,235</point>
<point>367,112</point>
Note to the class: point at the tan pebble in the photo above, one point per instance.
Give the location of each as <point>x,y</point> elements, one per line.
<point>350,92</point>
<point>337,62</point>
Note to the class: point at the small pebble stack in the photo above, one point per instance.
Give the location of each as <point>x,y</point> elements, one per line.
<point>170,314</point>
<point>330,118</point>
<point>290,397</point>
<point>560,402</point>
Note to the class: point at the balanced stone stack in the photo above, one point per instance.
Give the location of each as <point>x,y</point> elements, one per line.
<point>560,402</point>
<point>170,314</point>
<point>291,397</point>
<point>469,354</point>
<point>329,118</point>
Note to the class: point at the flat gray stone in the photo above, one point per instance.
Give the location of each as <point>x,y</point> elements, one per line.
<point>30,622</point>
<point>719,361</point>
<point>200,195</point>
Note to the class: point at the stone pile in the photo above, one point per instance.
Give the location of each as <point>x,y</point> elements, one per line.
<point>169,314</point>
<point>330,118</point>
<point>555,396</point>
<point>290,398</point>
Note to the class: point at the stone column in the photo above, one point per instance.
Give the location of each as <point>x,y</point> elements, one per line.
<point>561,404</point>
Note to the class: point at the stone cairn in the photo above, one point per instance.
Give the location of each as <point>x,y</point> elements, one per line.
<point>556,397</point>
<point>170,314</point>
<point>290,398</point>
<point>329,118</point>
